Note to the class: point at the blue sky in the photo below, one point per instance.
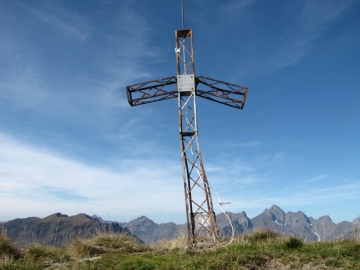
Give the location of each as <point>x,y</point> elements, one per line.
<point>70,142</point>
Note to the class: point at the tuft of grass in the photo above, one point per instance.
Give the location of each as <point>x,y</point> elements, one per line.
<point>13,258</point>
<point>119,243</point>
<point>262,236</point>
<point>41,253</point>
<point>8,249</point>
<point>105,243</point>
<point>294,243</point>
<point>82,249</point>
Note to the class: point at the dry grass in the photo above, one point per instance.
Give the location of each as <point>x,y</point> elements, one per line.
<point>258,236</point>
<point>180,243</point>
<point>7,249</point>
<point>104,243</point>
<point>258,250</point>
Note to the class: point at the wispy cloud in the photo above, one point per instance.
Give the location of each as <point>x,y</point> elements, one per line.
<point>296,40</point>
<point>236,145</point>
<point>37,181</point>
<point>317,178</point>
<point>96,71</point>
<point>236,8</point>
<point>256,183</point>
<point>313,20</point>
<point>37,177</point>
<point>311,197</point>
<point>68,23</point>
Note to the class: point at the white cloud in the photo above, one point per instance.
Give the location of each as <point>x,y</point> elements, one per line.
<point>37,182</point>
<point>91,95</point>
<point>310,197</point>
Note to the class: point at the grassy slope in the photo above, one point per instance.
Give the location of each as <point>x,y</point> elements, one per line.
<point>260,250</point>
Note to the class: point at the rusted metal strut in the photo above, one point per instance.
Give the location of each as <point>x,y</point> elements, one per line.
<point>200,212</point>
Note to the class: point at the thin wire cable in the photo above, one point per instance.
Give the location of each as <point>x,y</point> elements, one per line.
<point>222,209</point>
<point>183,14</point>
<point>183,27</point>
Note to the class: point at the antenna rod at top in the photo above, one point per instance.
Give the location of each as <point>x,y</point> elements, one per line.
<point>182,9</point>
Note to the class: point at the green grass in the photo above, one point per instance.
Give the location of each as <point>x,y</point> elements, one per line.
<point>259,250</point>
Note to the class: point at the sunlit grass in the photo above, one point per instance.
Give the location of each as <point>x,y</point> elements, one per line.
<point>261,249</point>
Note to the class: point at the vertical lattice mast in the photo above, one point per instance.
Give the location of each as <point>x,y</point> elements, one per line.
<point>199,207</point>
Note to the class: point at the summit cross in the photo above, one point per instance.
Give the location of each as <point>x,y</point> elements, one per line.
<point>186,87</point>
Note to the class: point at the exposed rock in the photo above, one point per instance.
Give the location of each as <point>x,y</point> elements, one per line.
<point>56,229</point>
<point>324,227</point>
<point>275,213</point>
<point>150,232</point>
<point>240,222</point>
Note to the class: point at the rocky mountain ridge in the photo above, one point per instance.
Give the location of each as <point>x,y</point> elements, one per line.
<point>274,218</point>
<point>58,229</point>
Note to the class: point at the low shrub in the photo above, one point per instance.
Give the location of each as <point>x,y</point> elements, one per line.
<point>294,243</point>
<point>262,236</point>
<point>119,242</point>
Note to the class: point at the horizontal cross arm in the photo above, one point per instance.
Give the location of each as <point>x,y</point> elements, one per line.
<point>222,92</point>
<point>152,91</point>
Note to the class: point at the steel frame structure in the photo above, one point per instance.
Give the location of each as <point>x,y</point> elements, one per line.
<point>200,212</point>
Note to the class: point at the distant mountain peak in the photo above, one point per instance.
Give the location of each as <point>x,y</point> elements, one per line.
<point>275,213</point>
<point>276,208</point>
<point>357,221</point>
<point>142,218</point>
<point>326,217</point>
<point>55,216</point>
<point>60,215</point>
<point>98,218</point>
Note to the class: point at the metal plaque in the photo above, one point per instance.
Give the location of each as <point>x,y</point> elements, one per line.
<point>186,83</point>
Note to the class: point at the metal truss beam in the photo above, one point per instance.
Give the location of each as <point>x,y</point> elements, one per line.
<point>151,91</point>
<point>162,89</point>
<point>222,92</point>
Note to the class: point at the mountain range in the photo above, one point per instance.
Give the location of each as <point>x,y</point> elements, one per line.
<point>58,229</point>
<point>274,218</point>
